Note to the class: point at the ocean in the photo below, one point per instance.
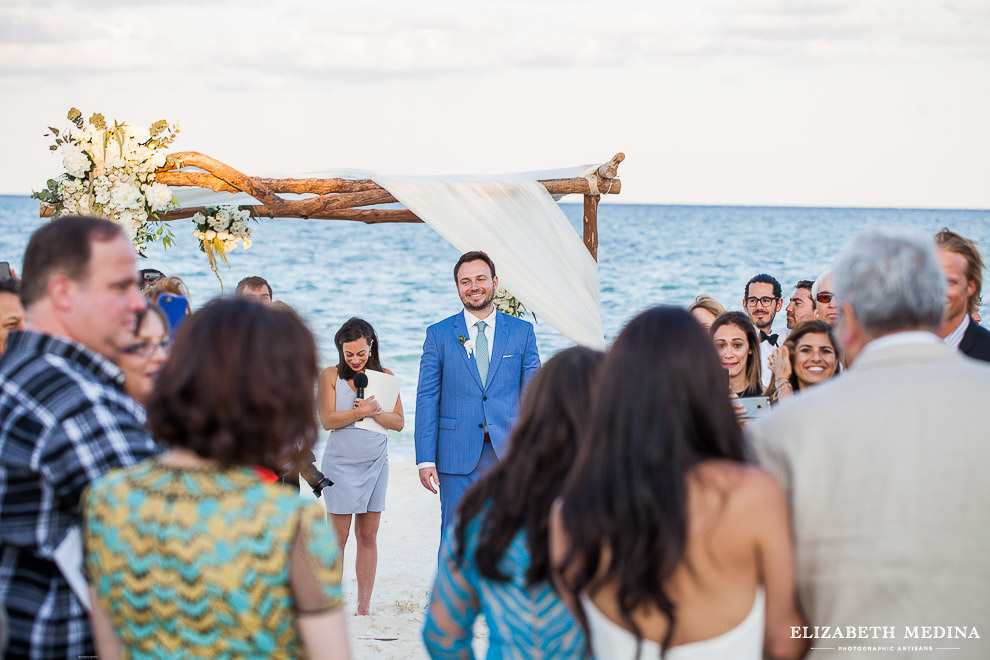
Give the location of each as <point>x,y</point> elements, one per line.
<point>398,276</point>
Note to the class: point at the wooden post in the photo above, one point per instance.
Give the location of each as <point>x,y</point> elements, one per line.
<point>591,224</point>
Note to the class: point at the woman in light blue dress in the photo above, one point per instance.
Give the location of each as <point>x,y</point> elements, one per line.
<point>495,561</point>
<point>356,459</point>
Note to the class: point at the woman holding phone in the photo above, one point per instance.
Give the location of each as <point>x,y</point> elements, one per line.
<point>356,459</point>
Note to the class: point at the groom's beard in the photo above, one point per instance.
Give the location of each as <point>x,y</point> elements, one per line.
<point>485,302</point>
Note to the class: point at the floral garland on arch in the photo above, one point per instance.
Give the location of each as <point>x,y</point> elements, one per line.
<point>110,173</point>
<point>218,231</point>
<point>506,303</point>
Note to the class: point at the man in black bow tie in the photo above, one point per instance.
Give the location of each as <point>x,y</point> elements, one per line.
<point>762,301</point>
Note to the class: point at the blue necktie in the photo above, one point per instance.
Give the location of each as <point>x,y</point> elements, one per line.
<point>481,352</point>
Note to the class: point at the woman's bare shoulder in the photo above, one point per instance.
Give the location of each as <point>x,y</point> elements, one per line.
<point>748,485</point>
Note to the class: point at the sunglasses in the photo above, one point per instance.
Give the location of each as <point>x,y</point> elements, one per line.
<point>147,348</point>
<point>825,297</point>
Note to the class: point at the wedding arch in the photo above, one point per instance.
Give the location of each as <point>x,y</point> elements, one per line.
<point>513,217</point>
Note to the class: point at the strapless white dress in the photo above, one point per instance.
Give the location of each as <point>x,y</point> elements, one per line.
<point>744,642</point>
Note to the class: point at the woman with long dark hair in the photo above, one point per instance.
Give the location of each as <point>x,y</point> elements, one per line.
<point>356,459</point>
<point>665,540</point>
<point>193,553</point>
<point>496,561</point>
<point>738,348</point>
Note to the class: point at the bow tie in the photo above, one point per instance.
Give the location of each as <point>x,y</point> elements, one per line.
<point>769,338</point>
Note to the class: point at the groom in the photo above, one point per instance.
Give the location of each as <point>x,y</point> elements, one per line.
<point>475,366</point>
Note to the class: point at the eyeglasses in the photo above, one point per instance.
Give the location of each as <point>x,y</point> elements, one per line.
<point>825,297</point>
<point>147,348</point>
<point>766,301</point>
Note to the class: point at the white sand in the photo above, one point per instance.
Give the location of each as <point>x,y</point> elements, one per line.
<point>408,539</point>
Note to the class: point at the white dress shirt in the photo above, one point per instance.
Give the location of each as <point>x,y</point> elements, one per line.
<point>954,338</point>
<point>470,320</point>
<point>766,348</point>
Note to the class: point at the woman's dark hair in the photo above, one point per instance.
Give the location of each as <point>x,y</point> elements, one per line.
<point>238,385</point>
<point>800,330</point>
<point>517,493</point>
<point>660,409</point>
<point>352,330</point>
<point>741,320</point>
<point>151,309</point>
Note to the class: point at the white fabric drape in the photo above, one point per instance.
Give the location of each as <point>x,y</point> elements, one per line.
<point>538,256</point>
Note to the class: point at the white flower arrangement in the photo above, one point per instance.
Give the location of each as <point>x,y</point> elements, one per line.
<point>506,303</point>
<point>110,173</point>
<point>469,347</point>
<point>219,229</point>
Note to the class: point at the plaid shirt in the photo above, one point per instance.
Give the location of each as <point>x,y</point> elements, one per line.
<point>64,420</point>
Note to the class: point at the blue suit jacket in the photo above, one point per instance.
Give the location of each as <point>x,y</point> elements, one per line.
<point>453,406</point>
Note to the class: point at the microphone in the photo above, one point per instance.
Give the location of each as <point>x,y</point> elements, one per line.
<point>360,382</point>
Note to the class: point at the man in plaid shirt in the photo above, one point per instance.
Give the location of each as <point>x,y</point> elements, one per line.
<point>64,420</point>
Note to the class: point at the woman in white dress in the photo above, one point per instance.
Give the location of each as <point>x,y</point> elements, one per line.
<point>664,540</point>
<point>356,459</point>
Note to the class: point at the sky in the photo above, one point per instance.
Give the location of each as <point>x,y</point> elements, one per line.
<point>879,103</point>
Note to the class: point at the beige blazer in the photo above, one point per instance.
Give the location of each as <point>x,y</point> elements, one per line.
<point>887,470</point>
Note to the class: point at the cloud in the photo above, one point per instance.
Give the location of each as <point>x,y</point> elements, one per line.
<point>219,41</point>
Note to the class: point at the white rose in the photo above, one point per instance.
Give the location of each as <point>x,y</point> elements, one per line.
<point>210,235</point>
<point>74,160</point>
<point>223,236</point>
<point>198,218</point>
<point>159,197</point>
<point>126,196</point>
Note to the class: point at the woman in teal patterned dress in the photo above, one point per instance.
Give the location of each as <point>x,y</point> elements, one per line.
<point>495,561</point>
<point>196,553</point>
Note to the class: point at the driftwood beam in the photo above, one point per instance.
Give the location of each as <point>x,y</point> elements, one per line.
<point>610,169</point>
<point>367,216</point>
<point>221,178</point>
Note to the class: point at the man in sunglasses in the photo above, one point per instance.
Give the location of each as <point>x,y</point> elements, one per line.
<point>826,305</point>
<point>963,267</point>
<point>762,301</point>
<point>889,497</point>
<point>66,421</point>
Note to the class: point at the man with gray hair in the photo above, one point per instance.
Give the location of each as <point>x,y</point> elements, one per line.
<point>888,499</point>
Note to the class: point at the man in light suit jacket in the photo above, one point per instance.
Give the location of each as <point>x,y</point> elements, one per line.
<point>885,466</point>
<point>475,366</point>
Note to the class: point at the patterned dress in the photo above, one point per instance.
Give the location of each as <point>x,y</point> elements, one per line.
<point>207,562</point>
<point>523,621</point>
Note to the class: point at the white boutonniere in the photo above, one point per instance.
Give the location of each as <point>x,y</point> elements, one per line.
<point>469,347</point>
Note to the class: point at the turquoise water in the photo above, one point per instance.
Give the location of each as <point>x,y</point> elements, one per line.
<point>399,277</point>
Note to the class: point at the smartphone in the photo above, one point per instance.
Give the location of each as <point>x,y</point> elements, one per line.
<point>175,308</point>
<point>5,273</point>
<point>755,405</point>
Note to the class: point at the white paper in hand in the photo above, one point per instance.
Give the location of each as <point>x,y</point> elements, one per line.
<point>385,388</point>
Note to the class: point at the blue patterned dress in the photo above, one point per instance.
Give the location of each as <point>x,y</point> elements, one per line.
<point>208,562</point>
<point>523,622</point>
